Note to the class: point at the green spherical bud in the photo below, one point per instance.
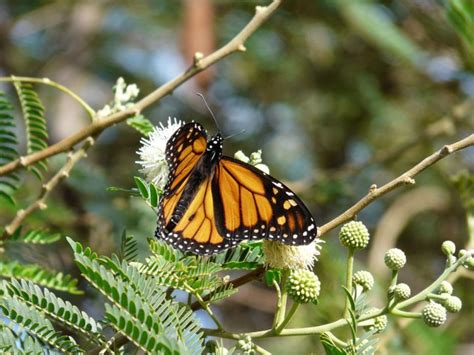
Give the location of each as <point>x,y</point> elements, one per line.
<point>395,259</point>
<point>453,304</point>
<point>469,263</point>
<point>448,248</point>
<point>462,252</point>
<point>402,291</point>
<point>364,279</point>
<point>354,235</point>
<point>303,286</point>
<point>434,314</point>
<point>380,323</point>
<point>445,287</point>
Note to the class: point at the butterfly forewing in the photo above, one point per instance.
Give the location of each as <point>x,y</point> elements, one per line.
<point>183,151</point>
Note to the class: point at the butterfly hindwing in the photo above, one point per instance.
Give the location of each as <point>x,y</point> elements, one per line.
<point>252,205</point>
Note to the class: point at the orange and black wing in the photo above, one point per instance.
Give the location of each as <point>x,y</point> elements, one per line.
<point>183,151</point>
<point>250,204</point>
<point>196,231</point>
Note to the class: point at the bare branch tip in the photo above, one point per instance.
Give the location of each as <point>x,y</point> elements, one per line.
<point>241,48</point>
<point>23,161</point>
<point>42,206</point>
<point>260,9</point>
<point>198,56</point>
<point>447,149</point>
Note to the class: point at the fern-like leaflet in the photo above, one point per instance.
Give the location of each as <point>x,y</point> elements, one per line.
<point>39,275</point>
<point>138,307</point>
<point>37,325</point>
<point>8,149</point>
<point>36,130</point>
<point>54,307</point>
<point>33,237</point>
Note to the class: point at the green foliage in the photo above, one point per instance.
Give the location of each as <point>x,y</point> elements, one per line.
<point>138,306</point>
<point>7,339</point>
<point>141,124</point>
<point>246,256</point>
<point>33,237</point>
<point>460,14</point>
<point>36,324</point>
<point>464,182</point>
<point>128,247</point>
<point>8,149</point>
<point>39,275</point>
<point>54,307</point>
<point>148,191</point>
<point>370,22</point>
<point>36,130</point>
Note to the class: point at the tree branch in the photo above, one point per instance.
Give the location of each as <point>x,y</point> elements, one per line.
<point>406,178</point>
<point>200,63</point>
<point>40,203</point>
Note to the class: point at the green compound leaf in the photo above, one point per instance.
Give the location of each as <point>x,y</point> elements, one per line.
<point>246,256</point>
<point>37,325</point>
<point>128,247</point>
<point>39,275</point>
<point>54,307</point>
<point>34,237</point>
<point>148,191</point>
<point>8,149</point>
<point>36,130</point>
<point>139,308</point>
<point>141,124</point>
<point>7,340</point>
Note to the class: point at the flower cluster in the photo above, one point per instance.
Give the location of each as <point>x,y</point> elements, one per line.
<point>152,153</point>
<point>124,96</point>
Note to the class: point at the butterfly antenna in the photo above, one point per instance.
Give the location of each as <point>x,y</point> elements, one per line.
<point>209,109</point>
<point>235,134</point>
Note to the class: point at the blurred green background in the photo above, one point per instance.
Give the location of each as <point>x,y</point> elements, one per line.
<point>338,94</point>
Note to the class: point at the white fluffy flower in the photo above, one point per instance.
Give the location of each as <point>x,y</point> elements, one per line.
<point>152,153</point>
<point>282,256</point>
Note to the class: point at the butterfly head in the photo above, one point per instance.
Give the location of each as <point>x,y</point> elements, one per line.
<point>214,146</point>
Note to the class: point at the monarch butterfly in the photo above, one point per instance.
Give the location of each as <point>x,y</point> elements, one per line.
<point>212,202</point>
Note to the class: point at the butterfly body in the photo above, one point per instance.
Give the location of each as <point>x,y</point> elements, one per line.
<point>212,202</point>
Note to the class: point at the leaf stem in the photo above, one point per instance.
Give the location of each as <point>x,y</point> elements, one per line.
<point>291,312</point>
<point>349,271</point>
<point>45,81</point>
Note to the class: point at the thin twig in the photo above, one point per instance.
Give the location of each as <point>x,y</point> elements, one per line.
<point>95,128</point>
<point>407,178</point>
<point>40,202</point>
